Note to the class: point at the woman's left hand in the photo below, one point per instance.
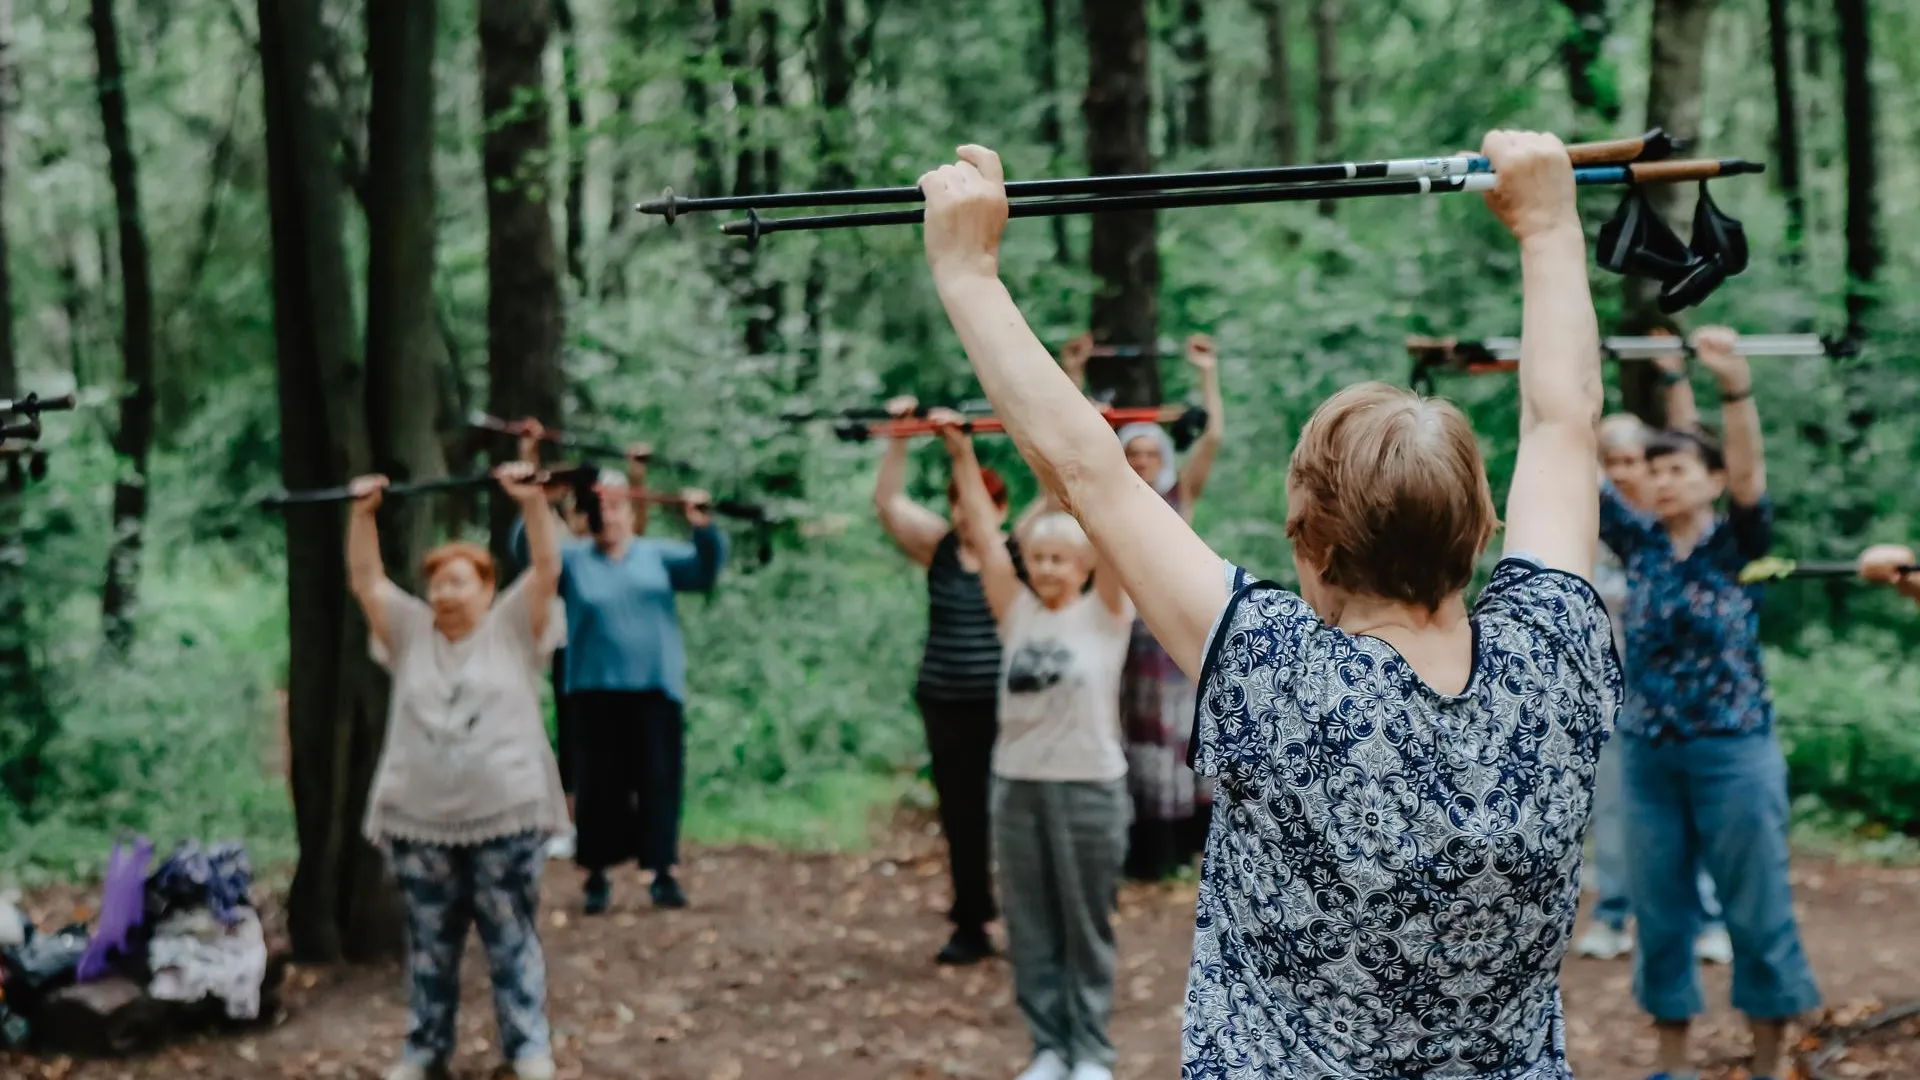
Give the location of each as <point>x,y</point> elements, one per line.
<point>966,211</point>
<point>1716,346</point>
<point>517,480</point>
<point>952,428</point>
<point>1882,562</point>
<point>1201,353</point>
<point>697,504</point>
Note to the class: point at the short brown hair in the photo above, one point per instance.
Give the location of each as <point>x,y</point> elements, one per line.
<point>1389,496</point>
<point>996,487</point>
<point>440,556</point>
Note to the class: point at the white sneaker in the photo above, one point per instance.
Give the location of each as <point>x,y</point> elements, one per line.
<point>1603,942</point>
<point>1714,946</point>
<point>1047,1065</point>
<point>1087,1070</point>
<point>539,1067</point>
<point>561,846</point>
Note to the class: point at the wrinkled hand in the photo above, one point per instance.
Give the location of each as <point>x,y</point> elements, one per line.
<point>1882,563</point>
<point>1673,363</point>
<point>901,407</point>
<point>530,430</point>
<point>1075,354</point>
<point>367,492</point>
<point>639,453</point>
<point>1201,353</point>
<point>966,211</point>
<point>1534,196</point>
<point>1715,346</point>
<point>516,478</point>
<point>697,504</point>
<point>952,429</point>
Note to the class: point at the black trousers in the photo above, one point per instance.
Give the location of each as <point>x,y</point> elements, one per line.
<point>960,736</point>
<point>563,736</point>
<point>629,770</point>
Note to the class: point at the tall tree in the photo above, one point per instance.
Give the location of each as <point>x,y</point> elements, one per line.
<point>833,80</point>
<point>1676,72</point>
<point>1590,79</point>
<point>1863,230</point>
<point>1276,91</point>
<point>1786,124</point>
<point>405,352</point>
<point>133,437</point>
<point>523,283</point>
<point>1123,251</point>
<point>576,155</point>
<point>1052,131</point>
<point>1196,90</point>
<point>26,718</point>
<point>340,904</point>
<point>1326,85</point>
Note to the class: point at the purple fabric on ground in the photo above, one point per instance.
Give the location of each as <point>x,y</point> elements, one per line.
<point>123,902</point>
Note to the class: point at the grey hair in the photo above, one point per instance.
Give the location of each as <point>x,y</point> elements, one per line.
<point>1622,429</point>
<point>1058,527</point>
<point>614,478</point>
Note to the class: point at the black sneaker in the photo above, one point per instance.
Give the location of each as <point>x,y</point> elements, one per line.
<point>599,893</point>
<point>968,945</point>
<point>666,891</point>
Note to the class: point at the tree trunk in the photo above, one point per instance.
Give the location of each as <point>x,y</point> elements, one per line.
<point>768,304</point>
<point>1190,46</point>
<point>1122,252</point>
<point>134,436</point>
<point>26,717</point>
<point>576,148</point>
<point>1856,105</point>
<point>1283,127</point>
<point>1052,130</point>
<point>523,286</point>
<point>1326,85</point>
<point>1590,79</point>
<point>340,904</point>
<point>833,74</point>
<point>1786,126</point>
<point>1678,41</point>
<point>404,348</point>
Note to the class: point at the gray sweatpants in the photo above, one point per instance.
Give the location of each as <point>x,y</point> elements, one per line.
<point>1060,847</point>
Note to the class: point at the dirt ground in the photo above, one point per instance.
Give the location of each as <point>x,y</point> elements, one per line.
<point>813,967</point>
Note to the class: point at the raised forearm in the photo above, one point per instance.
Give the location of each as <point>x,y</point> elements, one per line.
<point>976,506</point>
<point>541,540</point>
<point>1746,464</point>
<point>1560,335</point>
<point>891,483</point>
<point>365,570</point>
<point>1060,434</point>
<point>1683,414</point>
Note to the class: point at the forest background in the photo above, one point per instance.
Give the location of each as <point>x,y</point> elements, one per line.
<point>278,244</point>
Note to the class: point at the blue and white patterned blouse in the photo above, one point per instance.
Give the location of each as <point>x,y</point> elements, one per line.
<point>1693,631</point>
<point>1391,876</point>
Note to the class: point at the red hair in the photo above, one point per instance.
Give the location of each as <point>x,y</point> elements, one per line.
<point>996,487</point>
<point>458,550</point>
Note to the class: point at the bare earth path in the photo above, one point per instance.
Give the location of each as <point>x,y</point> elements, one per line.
<point>813,967</point>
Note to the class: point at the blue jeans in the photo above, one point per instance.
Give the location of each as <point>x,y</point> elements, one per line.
<point>1718,802</point>
<point>1608,870</point>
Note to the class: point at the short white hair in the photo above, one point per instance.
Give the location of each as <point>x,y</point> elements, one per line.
<point>1058,527</point>
<point>614,478</point>
<point>1620,430</point>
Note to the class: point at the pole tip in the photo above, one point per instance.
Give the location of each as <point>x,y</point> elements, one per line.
<point>667,206</point>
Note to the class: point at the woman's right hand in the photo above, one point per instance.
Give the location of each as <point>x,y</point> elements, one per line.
<point>1673,363</point>
<point>530,430</point>
<point>1074,356</point>
<point>366,492</point>
<point>902,407</point>
<point>952,428</point>
<point>1882,562</point>
<point>1534,194</point>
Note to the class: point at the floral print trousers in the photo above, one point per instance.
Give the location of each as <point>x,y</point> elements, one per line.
<point>495,884</point>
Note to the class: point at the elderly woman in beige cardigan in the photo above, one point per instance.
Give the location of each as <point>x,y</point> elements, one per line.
<point>467,791</point>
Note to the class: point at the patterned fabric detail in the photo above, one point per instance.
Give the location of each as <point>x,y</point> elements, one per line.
<point>1610,581</point>
<point>1693,631</point>
<point>1392,874</point>
<point>448,889</point>
<point>962,657</point>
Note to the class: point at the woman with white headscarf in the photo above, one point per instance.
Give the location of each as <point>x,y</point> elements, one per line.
<point>1171,807</point>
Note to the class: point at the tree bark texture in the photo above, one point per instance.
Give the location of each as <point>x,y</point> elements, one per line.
<point>1196,90</point>
<point>1282,124</point>
<point>576,150</point>
<point>404,348</point>
<point>523,284</point>
<point>833,75</point>
<point>1856,105</point>
<point>340,904</point>
<point>1678,41</point>
<point>1052,130</point>
<point>1326,86</point>
<point>1122,251</point>
<point>1786,125</point>
<point>133,436</point>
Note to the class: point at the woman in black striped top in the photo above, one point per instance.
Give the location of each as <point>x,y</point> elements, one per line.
<point>958,684</point>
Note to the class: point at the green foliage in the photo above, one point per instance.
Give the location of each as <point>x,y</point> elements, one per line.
<point>802,670</point>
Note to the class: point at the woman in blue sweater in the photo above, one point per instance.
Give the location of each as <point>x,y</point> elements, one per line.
<point>626,677</point>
